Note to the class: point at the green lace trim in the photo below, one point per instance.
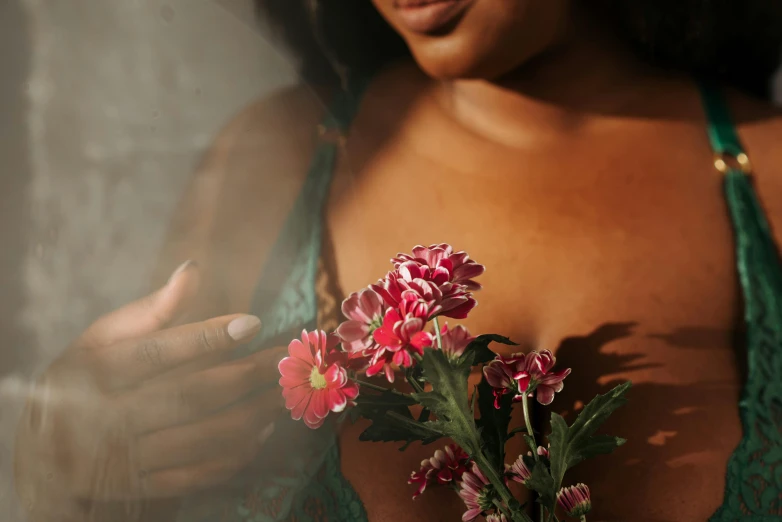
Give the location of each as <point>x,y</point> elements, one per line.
<point>753,489</point>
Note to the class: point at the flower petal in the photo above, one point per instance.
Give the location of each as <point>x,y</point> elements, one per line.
<point>545,394</point>
<point>301,351</point>
<point>370,303</point>
<point>336,400</point>
<point>319,404</point>
<point>523,379</point>
<point>299,404</point>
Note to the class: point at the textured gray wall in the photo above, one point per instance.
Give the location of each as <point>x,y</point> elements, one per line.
<point>107,106</point>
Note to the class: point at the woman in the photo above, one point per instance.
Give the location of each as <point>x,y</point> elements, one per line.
<point>566,154</point>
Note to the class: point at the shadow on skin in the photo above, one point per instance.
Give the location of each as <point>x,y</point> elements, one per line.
<point>671,435</point>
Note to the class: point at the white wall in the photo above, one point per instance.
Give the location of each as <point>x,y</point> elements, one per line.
<point>122,98</point>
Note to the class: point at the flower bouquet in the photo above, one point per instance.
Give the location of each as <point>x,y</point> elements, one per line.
<point>386,332</point>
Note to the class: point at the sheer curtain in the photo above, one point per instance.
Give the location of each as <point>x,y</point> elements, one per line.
<point>110,105</point>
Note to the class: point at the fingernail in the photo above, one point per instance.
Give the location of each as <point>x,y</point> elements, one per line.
<point>244,328</point>
<point>266,433</point>
<point>184,266</point>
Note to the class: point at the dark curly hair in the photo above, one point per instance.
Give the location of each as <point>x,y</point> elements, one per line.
<point>734,41</point>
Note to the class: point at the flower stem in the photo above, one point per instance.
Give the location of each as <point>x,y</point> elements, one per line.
<point>412,381</point>
<point>502,508</point>
<point>583,518</point>
<point>499,486</point>
<point>528,422</point>
<point>437,333</point>
<point>531,433</point>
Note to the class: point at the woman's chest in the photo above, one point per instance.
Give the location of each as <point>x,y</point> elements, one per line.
<point>624,275</point>
<point>567,248</point>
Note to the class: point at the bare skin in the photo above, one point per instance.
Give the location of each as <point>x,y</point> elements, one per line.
<point>595,206</point>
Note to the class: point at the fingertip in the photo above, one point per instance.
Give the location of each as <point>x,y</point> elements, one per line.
<point>181,269</point>
<point>244,328</point>
<point>183,283</point>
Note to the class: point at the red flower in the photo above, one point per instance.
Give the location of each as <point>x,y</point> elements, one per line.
<point>444,264</point>
<point>364,311</point>
<point>575,500</point>
<point>538,376</point>
<point>399,338</point>
<point>501,374</point>
<point>475,494</point>
<point>314,379</point>
<point>455,340</point>
<point>445,467</point>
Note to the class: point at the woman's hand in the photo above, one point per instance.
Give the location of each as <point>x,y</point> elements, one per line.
<point>133,411</point>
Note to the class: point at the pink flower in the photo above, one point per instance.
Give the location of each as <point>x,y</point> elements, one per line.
<point>501,374</point>
<point>399,338</point>
<point>519,471</point>
<point>314,379</point>
<point>444,264</point>
<point>455,340</point>
<point>445,467</point>
<point>364,310</point>
<point>433,297</point>
<point>475,494</point>
<point>529,373</point>
<point>575,500</point>
<point>496,517</point>
<point>543,452</point>
<point>538,376</point>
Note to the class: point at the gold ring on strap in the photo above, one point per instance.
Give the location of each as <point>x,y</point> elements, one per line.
<point>726,162</point>
<point>331,135</point>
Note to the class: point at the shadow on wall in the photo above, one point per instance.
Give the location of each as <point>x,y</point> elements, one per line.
<point>14,177</point>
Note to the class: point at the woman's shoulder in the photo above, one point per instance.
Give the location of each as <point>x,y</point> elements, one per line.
<point>759,124</point>
<point>237,199</point>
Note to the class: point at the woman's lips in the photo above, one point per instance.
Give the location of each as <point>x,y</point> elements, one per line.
<point>429,16</point>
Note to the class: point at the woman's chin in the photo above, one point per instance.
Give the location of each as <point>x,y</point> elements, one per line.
<point>459,66</point>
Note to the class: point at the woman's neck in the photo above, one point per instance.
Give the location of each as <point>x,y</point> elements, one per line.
<point>587,75</point>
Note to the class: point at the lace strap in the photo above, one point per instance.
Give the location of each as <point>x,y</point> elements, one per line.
<point>285,297</point>
<point>753,489</point>
<point>307,485</point>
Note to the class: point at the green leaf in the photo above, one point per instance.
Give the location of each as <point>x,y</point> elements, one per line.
<point>448,398</point>
<point>398,426</point>
<point>391,419</point>
<point>600,445</point>
<point>382,400</point>
<point>480,347</point>
<point>541,482</point>
<point>571,445</point>
<point>494,422</point>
